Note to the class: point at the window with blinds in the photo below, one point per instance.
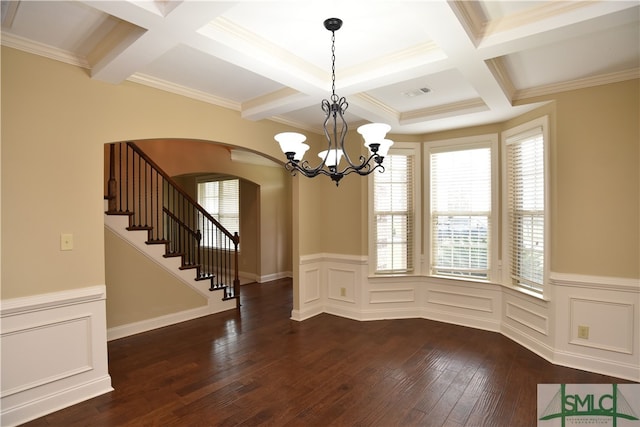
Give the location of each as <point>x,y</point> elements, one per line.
<point>461,203</point>
<point>393,215</point>
<point>525,180</point>
<point>221,199</point>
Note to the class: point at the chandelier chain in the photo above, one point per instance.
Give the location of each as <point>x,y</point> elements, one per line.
<point>334,97</point>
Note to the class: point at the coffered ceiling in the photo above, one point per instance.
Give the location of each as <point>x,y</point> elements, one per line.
<point>421,66</point>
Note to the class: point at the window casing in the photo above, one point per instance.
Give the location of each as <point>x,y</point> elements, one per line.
<point>462,207</point>
<point>221,199</point>
<point>525,197</point>
<point>394,220</point>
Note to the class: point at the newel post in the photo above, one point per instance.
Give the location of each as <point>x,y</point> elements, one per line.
<point>236,279</point>
<point>112,184</point>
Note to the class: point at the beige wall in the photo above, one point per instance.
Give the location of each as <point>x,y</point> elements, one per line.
<point>138,288</point>
<point>55,121</point>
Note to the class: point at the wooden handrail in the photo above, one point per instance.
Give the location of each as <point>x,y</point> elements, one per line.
<point>206,214</point>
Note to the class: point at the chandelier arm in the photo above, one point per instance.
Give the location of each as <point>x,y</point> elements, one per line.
<point>366,167</point>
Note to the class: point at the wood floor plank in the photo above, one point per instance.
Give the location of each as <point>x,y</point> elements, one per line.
<point>256,366</point>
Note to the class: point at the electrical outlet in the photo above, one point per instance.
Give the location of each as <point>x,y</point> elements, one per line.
<point>343,292</point>
<point>583,332</point>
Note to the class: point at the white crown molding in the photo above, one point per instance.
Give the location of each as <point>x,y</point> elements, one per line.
<point>42,49</point>
<point>184,91</point>
<point>447,110</point>
<point>584,83</point>
<point>501,74</point>
<point>541,12</point>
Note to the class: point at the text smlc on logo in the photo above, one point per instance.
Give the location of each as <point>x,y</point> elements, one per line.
<point>587,404</point>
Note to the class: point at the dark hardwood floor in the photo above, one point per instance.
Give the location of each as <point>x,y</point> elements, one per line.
<point>258,367</point>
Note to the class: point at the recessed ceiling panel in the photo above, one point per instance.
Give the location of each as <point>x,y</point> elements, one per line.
<point>67,25</point>
<point>443,88</point>
<point>496,10</point>
<point>314,117</point>
<point>191,68</point>
<point>612,50</point>
<point>370,29</point>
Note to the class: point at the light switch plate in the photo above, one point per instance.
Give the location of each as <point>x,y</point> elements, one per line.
<point>66,242</point>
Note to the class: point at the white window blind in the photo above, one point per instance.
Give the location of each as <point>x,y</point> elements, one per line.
<point>393,215</point>
<point>526,208</point>
<point>461,212</point>
<point>221,199</point>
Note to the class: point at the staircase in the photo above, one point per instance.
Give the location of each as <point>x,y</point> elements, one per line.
<point>139,190</point>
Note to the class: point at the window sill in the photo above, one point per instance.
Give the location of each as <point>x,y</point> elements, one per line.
<point>527,292</point>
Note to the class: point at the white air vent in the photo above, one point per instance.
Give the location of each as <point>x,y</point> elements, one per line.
<point>416,92</point>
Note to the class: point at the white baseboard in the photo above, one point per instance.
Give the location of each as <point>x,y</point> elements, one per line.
<point>170,319</point>
<point>597,365</point>
<point>306,314</point>
<point>64,336</point>
<point>475,322</point>
<point>36,408</point>
<point>274,276</point>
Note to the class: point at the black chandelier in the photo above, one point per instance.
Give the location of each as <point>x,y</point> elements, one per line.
<point>293,146</point>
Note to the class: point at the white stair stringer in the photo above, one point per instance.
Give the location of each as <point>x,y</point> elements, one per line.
<point>137,238</point>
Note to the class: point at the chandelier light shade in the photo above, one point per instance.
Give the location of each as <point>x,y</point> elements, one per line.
<point>335,131</point>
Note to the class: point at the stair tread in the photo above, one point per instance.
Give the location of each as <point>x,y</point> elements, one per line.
<point>157,242</point>
<point>139,227</point>
<point>173,254</point>
<point>128,213</point>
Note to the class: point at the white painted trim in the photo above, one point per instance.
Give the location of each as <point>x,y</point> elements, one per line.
<point>326,257</point>
<point>596,364</point>
<point>23,305</point>
<point>306,314</point>
<point>37,408</point>
<point>529,342</point>
<point>596,282</point>
<point>160,322</point>
<point>274,276</point>
<point>52,379</point>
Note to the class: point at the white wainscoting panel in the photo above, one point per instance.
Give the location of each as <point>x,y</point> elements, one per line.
<point>527,317</point>
<point>311,289</point>
<point>341,284</point>
<point>610,324</point>
<point>54,352</point>
<point>386,296</point>
<point>461,300</point>
<point>610,308</point>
